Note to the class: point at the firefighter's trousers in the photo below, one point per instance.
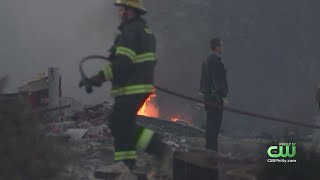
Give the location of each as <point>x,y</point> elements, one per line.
<point>128,137</point>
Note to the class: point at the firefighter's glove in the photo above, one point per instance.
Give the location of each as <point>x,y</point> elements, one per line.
<point>86,82</point>
<point>96,81</point>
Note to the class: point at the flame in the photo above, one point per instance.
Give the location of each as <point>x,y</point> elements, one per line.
<point>181,117</point>
<point>175,118</point>
<point>149,108</point>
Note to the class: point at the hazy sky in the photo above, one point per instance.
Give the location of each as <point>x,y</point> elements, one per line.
<point>271,49</point>
<point>271,54</point>
<point>36,34</point>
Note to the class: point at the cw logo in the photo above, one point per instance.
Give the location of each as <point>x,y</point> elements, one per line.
<point>282,151</point>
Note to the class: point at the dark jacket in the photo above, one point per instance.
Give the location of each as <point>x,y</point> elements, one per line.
<point>213,77</point>
<point>133,59</point>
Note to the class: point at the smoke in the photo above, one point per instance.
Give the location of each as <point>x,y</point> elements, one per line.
<point>270,49</point>
<point>271,55</point>
<point>37,34</point>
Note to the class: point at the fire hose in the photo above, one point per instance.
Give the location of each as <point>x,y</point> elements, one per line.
<point>89,89</point>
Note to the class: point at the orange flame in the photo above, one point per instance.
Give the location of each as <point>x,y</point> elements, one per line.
<point>175,118</point>
<point>181,117</point>
<point>149,108</point>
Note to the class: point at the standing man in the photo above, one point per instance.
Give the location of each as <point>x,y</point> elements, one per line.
<point>132,74</point>
<point>214,88</point>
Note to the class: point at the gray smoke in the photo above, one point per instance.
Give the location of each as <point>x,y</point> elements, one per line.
<point>271,49</point>
<point>271,54</point>
<point>36,34</point>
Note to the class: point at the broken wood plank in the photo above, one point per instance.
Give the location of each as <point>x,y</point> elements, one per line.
<point>177,129</point>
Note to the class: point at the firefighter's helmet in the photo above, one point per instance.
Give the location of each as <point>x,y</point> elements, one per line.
<point>136,4</point>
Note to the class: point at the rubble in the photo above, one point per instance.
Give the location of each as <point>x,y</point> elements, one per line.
<point>95,120</point>
<point>88,129</point>
<point>91,118</point>
<point>92,145</point>
<point>59,127</point>
<point>84,124</point>
<point>98,131</point>
<point>75,133</point>
<point>93,141</point>
<point>177,143</point>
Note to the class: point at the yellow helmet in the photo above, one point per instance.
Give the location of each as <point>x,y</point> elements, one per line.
<point>136,4</point>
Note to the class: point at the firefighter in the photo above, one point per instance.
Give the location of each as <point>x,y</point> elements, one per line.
<point>131,71</point>
<point>214,88</point>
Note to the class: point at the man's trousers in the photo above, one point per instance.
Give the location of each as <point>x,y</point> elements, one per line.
<point>214,120</point>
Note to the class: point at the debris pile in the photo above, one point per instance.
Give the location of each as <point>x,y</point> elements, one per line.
<point>90,122</point>
<point>92,139</point>
<point>177,143</point>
